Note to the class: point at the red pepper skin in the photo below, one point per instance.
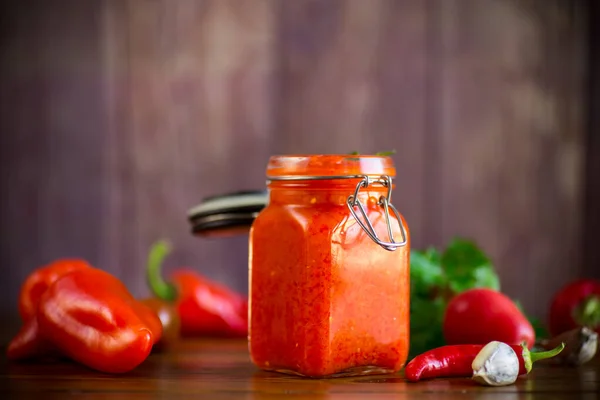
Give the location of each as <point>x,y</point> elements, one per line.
<point>205,308</point>
<point>446,361</point>
<point>451,361</point>
<point>37,282</point>
<point>208,309</point>
<point>28,343</point>
<point>90,316</point>
<point>565,302</point>
<point>481,315</point>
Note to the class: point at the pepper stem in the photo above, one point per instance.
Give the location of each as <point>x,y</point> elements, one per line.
<point>588,312</point>
<point>530,357</point>
<point>162,289</point>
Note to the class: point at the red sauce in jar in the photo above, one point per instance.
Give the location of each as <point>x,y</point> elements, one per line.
<point>325,299</point>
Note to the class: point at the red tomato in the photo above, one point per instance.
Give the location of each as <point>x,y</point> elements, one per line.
<point>575,304</point>
<point>479,316</point>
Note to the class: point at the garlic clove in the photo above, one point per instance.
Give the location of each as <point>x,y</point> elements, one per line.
<point>581,345</point>
<point>496,364</point>
<point>588,347</point>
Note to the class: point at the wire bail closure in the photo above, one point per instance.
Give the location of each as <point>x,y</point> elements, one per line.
<point>385,202</point>
<point>352,202</point>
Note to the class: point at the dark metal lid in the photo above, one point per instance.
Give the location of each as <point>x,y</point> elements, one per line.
<point>227,214</point>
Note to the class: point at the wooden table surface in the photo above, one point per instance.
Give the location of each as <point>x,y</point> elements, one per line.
<point>221,369</point>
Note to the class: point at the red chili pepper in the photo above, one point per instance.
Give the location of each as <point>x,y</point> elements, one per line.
<point>456,361</point>
<point>205,308</point>
<point>36,283</point>
<point>575,304</point>
<point>89,316</point>
<point>479,316</point>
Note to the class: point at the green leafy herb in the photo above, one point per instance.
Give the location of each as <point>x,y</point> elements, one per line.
<point>426,273</point>
<point>467,267</point>
<point>539,328</point>
<point>426,316</point>
<point>385,153</point>
<point>379,153</point>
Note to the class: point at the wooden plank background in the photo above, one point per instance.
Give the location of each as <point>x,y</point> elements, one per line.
<point>119,115</point>
<point>592,178</point>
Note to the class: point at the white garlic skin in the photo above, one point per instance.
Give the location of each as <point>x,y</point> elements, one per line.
<point>496,364</point>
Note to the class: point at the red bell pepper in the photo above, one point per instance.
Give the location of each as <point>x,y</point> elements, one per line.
<point>205,308</point>
<point>456,361</point>
<point>574,305</point>
<point>28,343</point>
<point>89,316</point>
<point>37,282</point>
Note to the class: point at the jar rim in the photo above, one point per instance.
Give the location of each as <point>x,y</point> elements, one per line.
<point>332,166</point>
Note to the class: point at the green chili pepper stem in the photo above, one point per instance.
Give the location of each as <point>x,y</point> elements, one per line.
<point>530,357</point>
<point>162,289</point>
<point>588,312</point>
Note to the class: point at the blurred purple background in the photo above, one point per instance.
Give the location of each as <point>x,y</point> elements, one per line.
<point>117,116</point>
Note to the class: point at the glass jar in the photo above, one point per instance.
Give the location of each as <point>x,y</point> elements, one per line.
<point>329,269</point>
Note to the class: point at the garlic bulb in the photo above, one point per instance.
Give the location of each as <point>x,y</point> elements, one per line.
<point>496,364</point>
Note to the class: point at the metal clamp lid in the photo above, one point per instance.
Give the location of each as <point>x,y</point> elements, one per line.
<point>385,202</point>
<point>352,202</point>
